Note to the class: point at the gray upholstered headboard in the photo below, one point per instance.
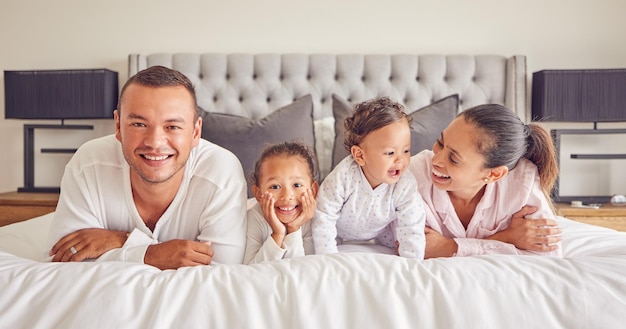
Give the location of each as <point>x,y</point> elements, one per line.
<point>254,85</point>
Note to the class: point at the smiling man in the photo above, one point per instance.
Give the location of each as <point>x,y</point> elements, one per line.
<point>154,192</point>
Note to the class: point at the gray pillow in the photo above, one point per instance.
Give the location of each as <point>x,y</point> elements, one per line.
<point>247,138</point>
<point>428,123</point>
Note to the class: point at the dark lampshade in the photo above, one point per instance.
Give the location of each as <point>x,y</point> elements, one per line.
<point>579,95</point>
<point>60,94</point>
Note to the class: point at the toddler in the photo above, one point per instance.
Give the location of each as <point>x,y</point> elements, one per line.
<point>369,194</point>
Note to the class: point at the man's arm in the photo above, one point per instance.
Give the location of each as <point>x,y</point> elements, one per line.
<point>82,227</point>
<point>88,243</point>
<point>77,233</point>
<point>93,243</point>
<point>179,253</point>
<point>223,218</point>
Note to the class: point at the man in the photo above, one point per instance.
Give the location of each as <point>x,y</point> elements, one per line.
<point>154,192</point>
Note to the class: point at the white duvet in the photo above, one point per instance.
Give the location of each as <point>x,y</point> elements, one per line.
<point>586,289</point>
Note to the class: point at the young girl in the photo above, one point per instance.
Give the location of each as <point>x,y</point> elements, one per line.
<point>284,185</point>
<point>368,195</point>
<point>485,167</point>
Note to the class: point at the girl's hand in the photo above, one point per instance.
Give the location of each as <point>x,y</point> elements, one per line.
<point>269,213</point>
<point>308,210</point>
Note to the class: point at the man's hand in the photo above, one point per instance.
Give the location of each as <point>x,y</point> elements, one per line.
<point>178,253</point>
<point>89,243</point>
<point>539,235</point>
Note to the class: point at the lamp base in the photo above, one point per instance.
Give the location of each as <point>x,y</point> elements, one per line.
<point>590,164</point>
<point>29,155</point>
<point>33,189</point>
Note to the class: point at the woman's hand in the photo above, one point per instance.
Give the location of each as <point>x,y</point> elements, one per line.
<point>540,235</point>
<point>437,245</point>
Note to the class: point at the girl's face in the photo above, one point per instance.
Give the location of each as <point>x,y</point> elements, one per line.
<point>457,164</point>
<point>286,177</point>
<point>384,154</point>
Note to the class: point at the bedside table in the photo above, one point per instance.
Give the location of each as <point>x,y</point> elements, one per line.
<point>607,215</point>
<point>16,207</point>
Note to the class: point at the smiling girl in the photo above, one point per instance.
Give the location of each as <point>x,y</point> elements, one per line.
<point>284,185</point>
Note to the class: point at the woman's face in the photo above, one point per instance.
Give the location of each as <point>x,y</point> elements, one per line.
<point>457,164</point>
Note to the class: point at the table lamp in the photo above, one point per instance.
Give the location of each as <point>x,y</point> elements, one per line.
<point>57,94</point>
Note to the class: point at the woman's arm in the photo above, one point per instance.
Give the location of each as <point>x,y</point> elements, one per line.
<point>438,246</point>
<point>534,235</point>
<point>523,236</point>
<point>542,236</point>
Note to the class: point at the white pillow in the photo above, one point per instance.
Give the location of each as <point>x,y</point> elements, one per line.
<point>583,240</point>
<point>27,239</point>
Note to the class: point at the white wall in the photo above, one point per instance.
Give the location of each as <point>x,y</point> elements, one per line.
<point>61,34</point>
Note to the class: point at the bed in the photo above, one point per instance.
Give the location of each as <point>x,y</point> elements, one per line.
<point>363,287</point>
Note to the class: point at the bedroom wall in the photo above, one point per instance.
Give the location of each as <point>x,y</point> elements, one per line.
<point>557,34</point>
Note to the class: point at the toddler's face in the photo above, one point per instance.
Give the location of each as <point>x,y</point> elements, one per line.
<point>384,154</point>
<point>286,178</point>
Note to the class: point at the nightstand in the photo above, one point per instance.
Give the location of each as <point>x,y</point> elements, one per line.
<point>607,215</point>
<point>16,207</point>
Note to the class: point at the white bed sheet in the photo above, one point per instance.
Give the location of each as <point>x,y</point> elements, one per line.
<point>587,289</point>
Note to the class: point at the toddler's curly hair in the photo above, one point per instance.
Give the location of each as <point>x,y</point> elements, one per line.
<point>369,116</point>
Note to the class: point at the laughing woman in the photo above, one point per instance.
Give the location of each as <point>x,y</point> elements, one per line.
<point>485,167</point>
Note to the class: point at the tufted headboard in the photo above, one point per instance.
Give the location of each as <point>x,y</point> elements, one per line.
<point>254,85</point>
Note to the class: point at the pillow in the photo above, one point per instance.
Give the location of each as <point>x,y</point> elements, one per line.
<point>27,239</point>
<point>247,138</point>
<point>428,123</point>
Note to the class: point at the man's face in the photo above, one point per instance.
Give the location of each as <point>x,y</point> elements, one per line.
<point>157,130</point>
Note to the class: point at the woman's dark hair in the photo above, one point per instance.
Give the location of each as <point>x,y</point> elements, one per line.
<point>369,116</point>
<point>161,76</point>
<point>504,139</point>
<point>286,149</point>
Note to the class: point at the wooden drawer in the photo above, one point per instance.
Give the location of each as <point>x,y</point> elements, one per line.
<point>607,215</point>
<point>16,207</point>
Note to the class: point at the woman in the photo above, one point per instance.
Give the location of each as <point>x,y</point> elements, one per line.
<point>485,167</point>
